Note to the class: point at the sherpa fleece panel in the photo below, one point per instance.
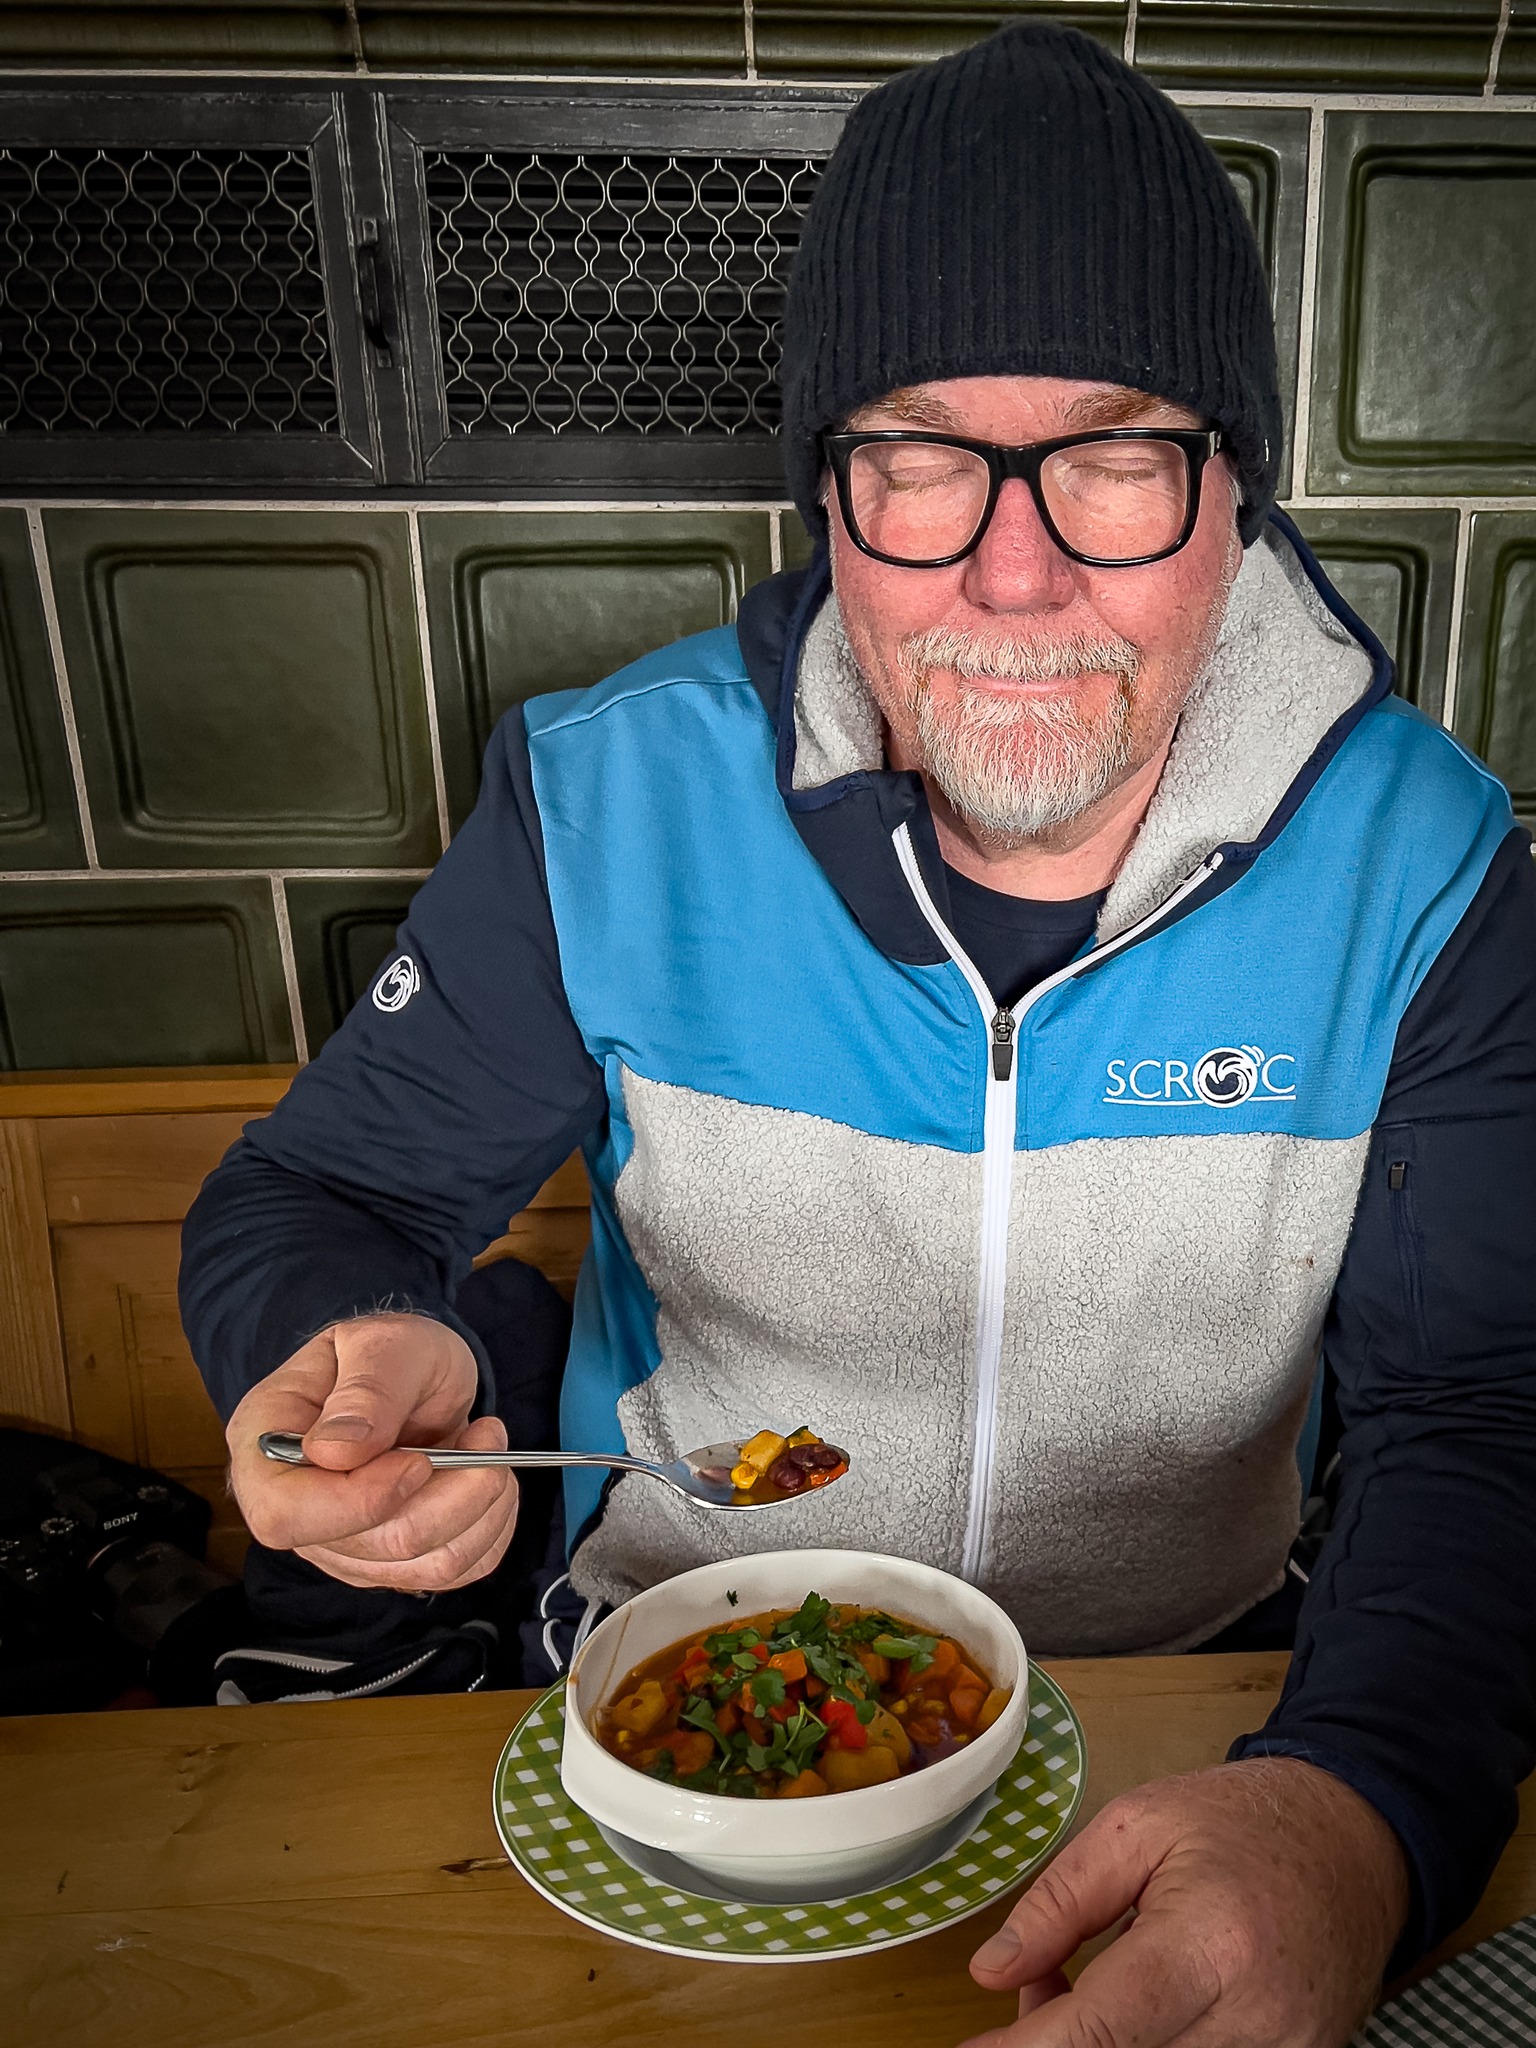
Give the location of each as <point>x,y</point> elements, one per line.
<point>691,984</point>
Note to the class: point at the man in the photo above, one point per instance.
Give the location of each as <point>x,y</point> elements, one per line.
<point>1020,993</point>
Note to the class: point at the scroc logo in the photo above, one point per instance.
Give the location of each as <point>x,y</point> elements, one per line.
<point>1226,1076</point>
<point>1221,1078</point>
<point>397,984</point>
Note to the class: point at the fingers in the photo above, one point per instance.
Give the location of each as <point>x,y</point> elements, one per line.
<point>1145,1991</point>
<point>287,1507</point>
<point>471,1554</point>
<point>459,1563</point>
<point>1031,1996</point>
<point>440,1512</point>
<point>1042,1991</point>
<point>454,1531</point>
<point>1092,1882</point>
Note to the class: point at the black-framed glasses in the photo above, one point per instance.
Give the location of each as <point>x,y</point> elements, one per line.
<point>1115,499</point>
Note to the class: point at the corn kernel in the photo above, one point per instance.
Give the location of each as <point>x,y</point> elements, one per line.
<point>761,1450</point>
<point>744,1477</point>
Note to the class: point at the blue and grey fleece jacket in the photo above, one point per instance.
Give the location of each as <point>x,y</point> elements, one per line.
<point>1059,1276</point>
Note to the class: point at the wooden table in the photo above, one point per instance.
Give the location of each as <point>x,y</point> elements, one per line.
<point>329,1876</point>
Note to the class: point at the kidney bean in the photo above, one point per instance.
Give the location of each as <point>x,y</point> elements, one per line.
<point>817,1457</point>
<point>786,1475</point>
<point>925,1753</point>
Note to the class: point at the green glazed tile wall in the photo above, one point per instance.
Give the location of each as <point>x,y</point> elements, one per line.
<point>525,35</point>
<point>248,687</point>
<point>1517,59</point>
<point>108,33</point>
<point>1426,306</point>
<point>1398,570</point>
<point>519,604</point>
<point>39,816</point>
<point>1438,46</point>
<point>678,36</point>
<point>1496,700</point>
<point>1264,150</point>
<point>867,38</point>
<point>232,741</point>
<point>116,973</point>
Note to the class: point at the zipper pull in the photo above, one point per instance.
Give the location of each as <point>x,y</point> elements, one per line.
<point>1397,1173</point>
<point>1002,1045</point>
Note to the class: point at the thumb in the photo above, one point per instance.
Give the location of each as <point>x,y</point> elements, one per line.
<point>366,1409</point>
<point>1092,1883</point>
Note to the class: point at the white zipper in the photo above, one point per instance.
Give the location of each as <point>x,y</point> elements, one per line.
<point>999,1125</point>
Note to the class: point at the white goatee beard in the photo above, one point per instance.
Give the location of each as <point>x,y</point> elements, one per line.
<point>1015,767</point>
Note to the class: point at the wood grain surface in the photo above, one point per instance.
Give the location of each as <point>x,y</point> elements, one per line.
<point>137,1091</point>
<point>33,1383</point>
<point>329,1876</point>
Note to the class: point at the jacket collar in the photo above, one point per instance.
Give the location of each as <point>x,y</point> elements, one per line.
<point>1293,673</point>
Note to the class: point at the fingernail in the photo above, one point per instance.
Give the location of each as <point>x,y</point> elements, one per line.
<point>999,1952</point>
<point>341,1429</point>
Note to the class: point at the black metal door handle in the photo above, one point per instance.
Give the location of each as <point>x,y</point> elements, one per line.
<point>374,292</point>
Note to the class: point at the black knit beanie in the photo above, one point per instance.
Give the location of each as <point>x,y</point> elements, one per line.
<point>1030,206</point>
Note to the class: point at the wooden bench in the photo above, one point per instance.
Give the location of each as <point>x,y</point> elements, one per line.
<point>97,1171</point>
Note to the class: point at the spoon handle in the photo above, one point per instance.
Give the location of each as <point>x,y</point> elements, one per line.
<point>288,1449</point>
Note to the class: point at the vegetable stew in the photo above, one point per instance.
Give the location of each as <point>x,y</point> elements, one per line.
<point>795,1704</point>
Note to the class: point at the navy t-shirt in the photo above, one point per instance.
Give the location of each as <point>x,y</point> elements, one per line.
<point>1016,941</point>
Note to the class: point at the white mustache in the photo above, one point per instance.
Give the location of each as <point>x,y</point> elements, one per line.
<point>972,656</point>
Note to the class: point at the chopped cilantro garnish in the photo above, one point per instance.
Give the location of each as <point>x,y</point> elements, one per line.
<point>768,1688</point>
<point>791,1746</point>
<point>824,1661</point>
<point>918,1650</point>
<point>810,1619</point>
<point>700,1714</point>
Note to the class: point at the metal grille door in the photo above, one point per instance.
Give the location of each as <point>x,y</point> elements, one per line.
<point>599,294</point>
<point>593,282</point>
<point>178,305</point>
<point>162,291</point>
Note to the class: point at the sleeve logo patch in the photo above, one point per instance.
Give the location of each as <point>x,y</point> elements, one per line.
<point>397,984</point>
<point>1222,1078</point>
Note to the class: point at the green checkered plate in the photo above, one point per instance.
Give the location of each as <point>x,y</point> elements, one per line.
<point>558,1849</point>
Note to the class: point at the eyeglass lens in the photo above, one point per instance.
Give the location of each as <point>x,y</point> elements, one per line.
<point>921,501</point>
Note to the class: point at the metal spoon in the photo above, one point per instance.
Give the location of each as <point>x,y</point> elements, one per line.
<point>703,1476</point>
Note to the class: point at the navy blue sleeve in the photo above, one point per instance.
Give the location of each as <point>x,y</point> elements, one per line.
<point>1414,1674</point>
<point>419,1130</point>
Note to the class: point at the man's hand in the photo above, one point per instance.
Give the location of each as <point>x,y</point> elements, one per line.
<point>372,1515</point>
<point>1267,1897</point>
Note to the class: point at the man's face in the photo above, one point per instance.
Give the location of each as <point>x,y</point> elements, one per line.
<point>1026,686</point>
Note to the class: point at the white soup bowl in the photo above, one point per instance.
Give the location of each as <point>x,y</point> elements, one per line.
<point>795,1848</point>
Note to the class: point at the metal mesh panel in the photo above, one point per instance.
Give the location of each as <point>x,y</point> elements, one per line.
<point>617,295</point>
<point>162,290</point>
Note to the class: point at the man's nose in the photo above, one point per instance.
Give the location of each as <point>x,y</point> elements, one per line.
<point>1018,567</point>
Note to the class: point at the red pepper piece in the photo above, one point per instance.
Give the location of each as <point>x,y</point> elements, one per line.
<point>843,1724</point>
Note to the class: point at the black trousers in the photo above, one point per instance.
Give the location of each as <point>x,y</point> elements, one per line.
<point>293,1606</point>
